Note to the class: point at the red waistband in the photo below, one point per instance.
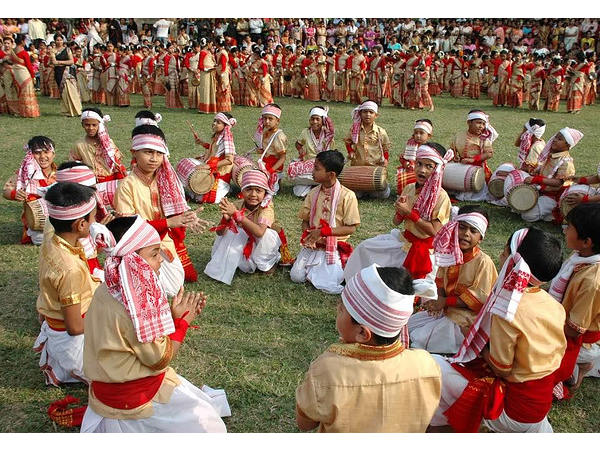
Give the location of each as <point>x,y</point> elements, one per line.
<point>111,177</point>
<point>591,337</point>
<point>130,394</point>
<point>529,401</point>
<point>417,261</point>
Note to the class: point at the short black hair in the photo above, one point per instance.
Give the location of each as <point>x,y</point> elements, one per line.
<point>145,114</point>
<point>466,209</point>
<point>332,160</point>
<point>585,217</point>
<point>40,143</point>
<point>67,194</point>
<point>542,252</point>
<point>119,226</point>
<point>71,164</point>
<point>424,120</point>
<point>96,110</point>
<point>535,121</point>
<point>438,148</point>
<point>149,129</point>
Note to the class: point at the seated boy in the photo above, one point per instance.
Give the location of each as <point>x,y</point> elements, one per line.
<point>97,150</point>
<point>474,146</point>
<point>424,207</point>
<point>369,382</point>
<point>422,132</point>
<point>66,286</point>
<point>555,167</point>
<point>154,191</point>
<point>504,369</point>
<point>245,239</point>
<point>36,171</point>
<point>531,144</point>
<point>577,287</point>
<point>367,143</point>
<point>464,281</point>
<point>271,143</point>
<point>329,216</point>
<point>131,337</point>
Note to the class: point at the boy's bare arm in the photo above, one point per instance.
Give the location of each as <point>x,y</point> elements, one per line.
<point>73,319</point>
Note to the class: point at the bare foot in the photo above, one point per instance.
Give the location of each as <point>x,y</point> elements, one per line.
<point>583,369</point>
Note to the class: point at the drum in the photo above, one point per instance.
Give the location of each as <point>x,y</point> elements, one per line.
<point>195,176</point>
<point>520,196</point>
<point>582,189</point>
<point>364,178</point>
<point>36,212</point>
<point>300,172</point>
<point>496,183</point>
<point>241,164</point>
<point>463,177</point>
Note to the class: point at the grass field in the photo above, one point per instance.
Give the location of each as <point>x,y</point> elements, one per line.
<point>256,338</point>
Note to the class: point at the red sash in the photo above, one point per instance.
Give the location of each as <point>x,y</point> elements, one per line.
<point>130,394</point>
<point>530,401</point>
<point>569,360</point>
<point>270,161</point>
<point>418,262</point>
<point>344,249</point>
<point>111,177</point>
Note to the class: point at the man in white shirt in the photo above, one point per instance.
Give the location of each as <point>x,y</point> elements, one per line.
<point>256,27</point>
<point>37,30</point>
<point>162,30</point>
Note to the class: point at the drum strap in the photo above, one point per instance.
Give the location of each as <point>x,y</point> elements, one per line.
<point>268,145</point>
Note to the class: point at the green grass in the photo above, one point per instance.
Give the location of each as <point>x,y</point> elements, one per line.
<point>256,338</point>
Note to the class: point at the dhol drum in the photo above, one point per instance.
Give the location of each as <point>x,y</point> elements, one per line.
<point>36,213</point>
<point>496,183</point>
<point>195,176</point>
<point>463,177</point>
<point>520,196</point>
<point>241,164</point>
<point>300,172</point>
<point>575,189</point>
<point>364,178</point>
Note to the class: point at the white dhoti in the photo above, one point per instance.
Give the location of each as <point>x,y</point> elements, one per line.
<point>37,237</point>
<point>312,265</point>
<point>434,334</point>
<point>61,356</point>
<point>541,211</point>
<point>480,196</point>
<point>588,354</point>
<point>387,250</point>
<point>171,275</point>
<point>190,410</point>
<point>453,385</point>
<point>227,254</point>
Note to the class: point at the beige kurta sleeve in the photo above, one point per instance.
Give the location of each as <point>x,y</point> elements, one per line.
<point>155,355</point>
<point>350,210</point>
<point>442,208</point>
<point>266,216</point>
<point>279,145</point>
<point>386,144</point>
<point>74,154</point>
<point>475,296</point>
<point>310,401</point>
<point>123,201</point>
<point>584,314</point>
<point>567,169</point>
<point>503,341</point>
<point>68,284</point>
<point>304,213</point>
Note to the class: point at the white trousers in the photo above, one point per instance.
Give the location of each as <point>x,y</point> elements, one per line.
<point>312,265</point>
<point>588,355</point>
<point>61,356</point>
<point>471,196</point>
<point>171,275</point>
<point>434,334</point>
<point>227,255</point>
<point>541,211</point>
<point>189,410</point>
<point>37,237</point>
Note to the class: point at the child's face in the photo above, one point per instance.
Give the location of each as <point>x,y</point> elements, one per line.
<point>420,136</point>
<point>423,169</point>
<point>253,196</point>
<point>316,123</point>
<point>152,256</point>
<point>367,116</point>
<point>217,126</point>
<point>270,122</point>
<point>148,160</point>
<point>90,126</point>
<point>572,238</point>
<point>319,172</point>
<point>476,126</point>
<point>559,144</point>
<point>468,236</point>
<point>44,157</point>
<point>345,327</point>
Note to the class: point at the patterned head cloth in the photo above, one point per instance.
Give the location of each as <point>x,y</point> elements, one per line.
<point>328,129</point>
<point>131,280</point>
<point>571,135</point>
<point>489,133</point>
<point>259,179</point>
<point>108,150</point>
<point>445,243</point>
<point>71,212</point>
<point>146,121</point>
<point>267,110</point>
<point>527,137</point>
<point>356,121</point>
<point>226,134</point>
<point>30,170</point>
<point>431,190</point>
<point>85,176</point>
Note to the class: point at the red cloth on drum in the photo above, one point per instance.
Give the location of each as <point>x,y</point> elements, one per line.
<point>417,261</point>
<point>130,394</point>
<point>486,169</point>
<point>569,360</point>
<point>404,177</point>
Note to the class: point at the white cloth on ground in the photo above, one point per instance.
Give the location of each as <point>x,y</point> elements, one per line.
<point>171,275</point>
<point>311,265</point>
<point>190,410</point>
<point>37,237</point>
<point>480,196</point>
<point>541,211</point>
<point>302,190</point>
<point>434,334</point>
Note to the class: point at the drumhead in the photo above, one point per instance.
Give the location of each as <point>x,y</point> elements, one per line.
<point>522,198</point>
<point>496,187</point>
<point>35,215</point>
<point>572,190</point>
<point>201,180</point>
<point>478,180</point>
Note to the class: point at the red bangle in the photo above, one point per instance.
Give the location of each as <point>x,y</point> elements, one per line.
<point>181,327</point>
<point>585,199</point>
<point>477,158</point>
<point>414,216</point>
<point>349,148</point>
<point>538,179</point>
<point>325,229</point>
<point>399,217</point>
<point>583,180</point>
<point>206,145</point>
<point>451,300</point>
<point>13,194</point>
<point>386,156</point>
<point>237,216</point>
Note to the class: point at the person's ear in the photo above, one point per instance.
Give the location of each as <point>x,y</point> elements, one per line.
<point>588,244</point>
<point>78,225</point>
<point>363,334</point>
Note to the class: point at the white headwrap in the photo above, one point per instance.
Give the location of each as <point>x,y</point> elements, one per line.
<point>491,134</point>
<point>145,121</point>
<point>317,111</point>
<point>445,244</point>
<point>425,126</point>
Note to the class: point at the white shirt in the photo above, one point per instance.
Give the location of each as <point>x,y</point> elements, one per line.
<point>256,26</point>
<point>162,28</point>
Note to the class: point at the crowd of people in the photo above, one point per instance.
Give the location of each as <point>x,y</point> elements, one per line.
<point>433,336</point>
<point>217,63</point>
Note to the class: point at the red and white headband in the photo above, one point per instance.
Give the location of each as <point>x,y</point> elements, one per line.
<point>474,219</point>
<point>256,178</point>
<point>149,142</point>
<point>427,152</point>
<point>139,235</point>
<point>95,116</point>
<point>71,212</point>
<point>226,120</point>
<point>425,126</point>
<point>536,130</point>
<point>272,110</point>
<point>146,121</point>
<point>78,174</point>
<point>478,115</point>
<point>318,111</point>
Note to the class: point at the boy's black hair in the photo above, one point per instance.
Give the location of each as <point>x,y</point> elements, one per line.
<point>145,114</point>
<point>438,148</point>
<point>332,160</point>
<point>40,143</point>
<point>535,121</point>
<point>542,252</point>
<point>467,209</point>
<point>585,218</point>
<point>149,129</point>
<point>226,114</point>
<point>71,164</point>
<point>96,110</point>
<point>119,226</point>
<point>476,110</point>
<point>67,194</point>
<point>424,120</point>
<point>397,279</point>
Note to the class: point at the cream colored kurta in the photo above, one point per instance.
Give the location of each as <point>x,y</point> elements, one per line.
<point>533,156</point>
<point>64,278</point>
<point>370,146</point>
<point>133,196</point>
<point>559,166</point>
<point>398,394</point>
<point>468,145</point>
<point>533,344</point>
<point>278,146</point>
<point>260,216</point>
<point>113,354</point>
<point>582,298</point>
<point>346,213</point>
<point>307,140</point>
<point>90,153</point>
